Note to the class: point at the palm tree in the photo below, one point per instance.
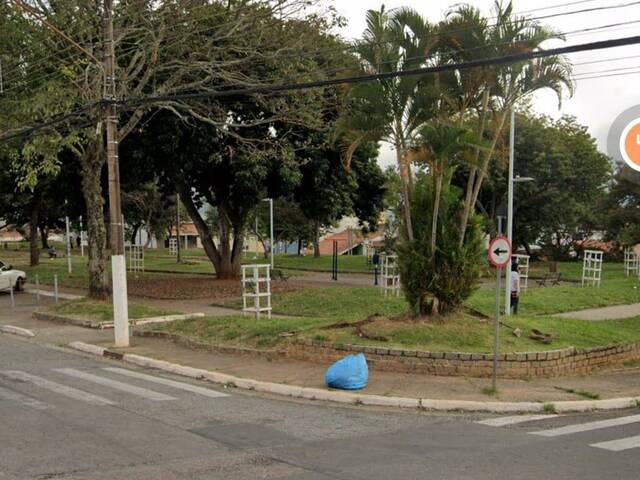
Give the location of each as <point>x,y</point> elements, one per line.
<point>493,92</point>
<point>392,109</point>
<point>442,146</point>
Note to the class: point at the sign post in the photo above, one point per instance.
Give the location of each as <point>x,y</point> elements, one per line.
<point>499,256</point>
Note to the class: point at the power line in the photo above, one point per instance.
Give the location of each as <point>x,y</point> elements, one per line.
<point>608,75</point>
<point>329,72</point>
<point>182,36</point>
<point>621,69</point>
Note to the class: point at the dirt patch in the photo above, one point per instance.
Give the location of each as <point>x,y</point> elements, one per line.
<point>187,287</point>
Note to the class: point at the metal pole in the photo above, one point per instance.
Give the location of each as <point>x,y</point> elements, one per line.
<point>66,220</point>
<point>37,289</point>
<point>496,344</point>
<point>271,229</point>
<point>179,250</point>
<point>55,288</point>
<point>118,263</point>
<point>81,239</point>
<point>13,300</point>
<point>512,135</point>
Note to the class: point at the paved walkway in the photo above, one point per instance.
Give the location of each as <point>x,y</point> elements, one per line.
<point>607,313</point>
<point>606,384</point>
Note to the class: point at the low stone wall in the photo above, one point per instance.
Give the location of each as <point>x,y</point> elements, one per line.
<point>553,363</point>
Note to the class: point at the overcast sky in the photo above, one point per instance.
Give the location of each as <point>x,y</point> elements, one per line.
<point>596,102</point>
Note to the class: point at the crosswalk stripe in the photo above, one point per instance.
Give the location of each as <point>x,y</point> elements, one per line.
<point>57,387</point>
<point>620,444</point>
<point>107,382</point>
<point>585,427</point>
<point>7,394</point>
<point>504,421</point>
<point>165,381</point>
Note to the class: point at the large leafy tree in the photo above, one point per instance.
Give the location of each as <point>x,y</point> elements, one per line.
<point>162,48</point>
<point>621,208</point>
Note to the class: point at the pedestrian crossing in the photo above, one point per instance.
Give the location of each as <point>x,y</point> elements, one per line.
<point>126,384</point>
<point>529,421</point>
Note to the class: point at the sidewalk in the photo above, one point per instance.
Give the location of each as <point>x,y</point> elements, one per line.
<point>605,384</point>
<point>616,312</point>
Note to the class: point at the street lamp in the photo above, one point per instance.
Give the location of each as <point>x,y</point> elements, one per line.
<point>512,180</point>
<point>270,200</point>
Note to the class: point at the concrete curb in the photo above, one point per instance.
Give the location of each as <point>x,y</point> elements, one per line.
<point>23,332</point>
<point>360,398</point>
<point>98,325</point>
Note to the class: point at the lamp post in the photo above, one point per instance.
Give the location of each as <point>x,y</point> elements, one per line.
<point>512,180</point>
<point>270,200</point>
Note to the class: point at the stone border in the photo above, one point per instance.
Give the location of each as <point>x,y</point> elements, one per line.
<point>521,365</point>
<point>351,398</point>
<point>524,365</point>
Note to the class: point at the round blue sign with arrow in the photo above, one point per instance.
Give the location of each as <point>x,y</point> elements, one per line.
<point>500,252</point>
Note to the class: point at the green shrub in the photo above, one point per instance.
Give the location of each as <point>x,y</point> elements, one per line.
<point>438,282</point>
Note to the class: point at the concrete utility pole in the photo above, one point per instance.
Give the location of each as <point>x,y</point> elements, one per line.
<point>178,251</point>
<point>118,263</point>
<point>512,137</point>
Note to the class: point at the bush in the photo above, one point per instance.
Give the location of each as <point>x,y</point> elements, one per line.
<point>439,282</point>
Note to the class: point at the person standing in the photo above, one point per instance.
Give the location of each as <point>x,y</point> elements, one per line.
<point>515,288</point>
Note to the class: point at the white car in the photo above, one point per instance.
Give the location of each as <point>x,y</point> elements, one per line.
<point>11,278</point>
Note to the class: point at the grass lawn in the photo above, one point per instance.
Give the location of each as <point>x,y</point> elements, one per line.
<point>103,311</point>
<point>461,333</point>
<point>241,331</point>
<point>345,304</point>
<point>564,298</point>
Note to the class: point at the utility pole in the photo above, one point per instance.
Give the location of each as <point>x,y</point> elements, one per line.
<point>178,251</point>
<point>512,138</point>
<point>118,263</point>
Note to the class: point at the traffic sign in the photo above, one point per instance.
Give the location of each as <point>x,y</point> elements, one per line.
<point>499,252</point>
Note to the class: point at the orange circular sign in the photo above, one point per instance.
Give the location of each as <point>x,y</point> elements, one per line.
<point>630,144</point>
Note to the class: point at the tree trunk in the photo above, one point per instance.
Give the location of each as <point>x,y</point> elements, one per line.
<point>134,233</point>
<point>316,239</point>
<point>436,211</point>
<point>33,231</point>
<point>405,176</point>
<point>468,204</point>
<point>44,238</point>
<point>91,163</point>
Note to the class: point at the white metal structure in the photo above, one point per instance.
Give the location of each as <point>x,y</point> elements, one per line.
<point>592,267</point>
<point>631,262</point>
<point>390,275</point>
<point>256,286</point>
<point>523,270</point>
<point>173,246</point>
<point>136,258</point>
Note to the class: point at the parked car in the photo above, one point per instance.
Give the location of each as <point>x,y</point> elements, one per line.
<point>9,277</point>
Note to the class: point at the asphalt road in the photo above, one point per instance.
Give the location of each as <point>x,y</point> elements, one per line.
<point>64,415</point>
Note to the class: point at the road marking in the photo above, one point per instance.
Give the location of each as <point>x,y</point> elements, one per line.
<point>504,421</point>
<point>107,382</point>
<point>620,444</point>
<point>7,394</point>
<point>57,387</point>
<point>585,427</point>
<point>164,381</point>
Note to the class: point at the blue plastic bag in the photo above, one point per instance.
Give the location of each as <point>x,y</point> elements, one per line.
<point>349,373</point>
